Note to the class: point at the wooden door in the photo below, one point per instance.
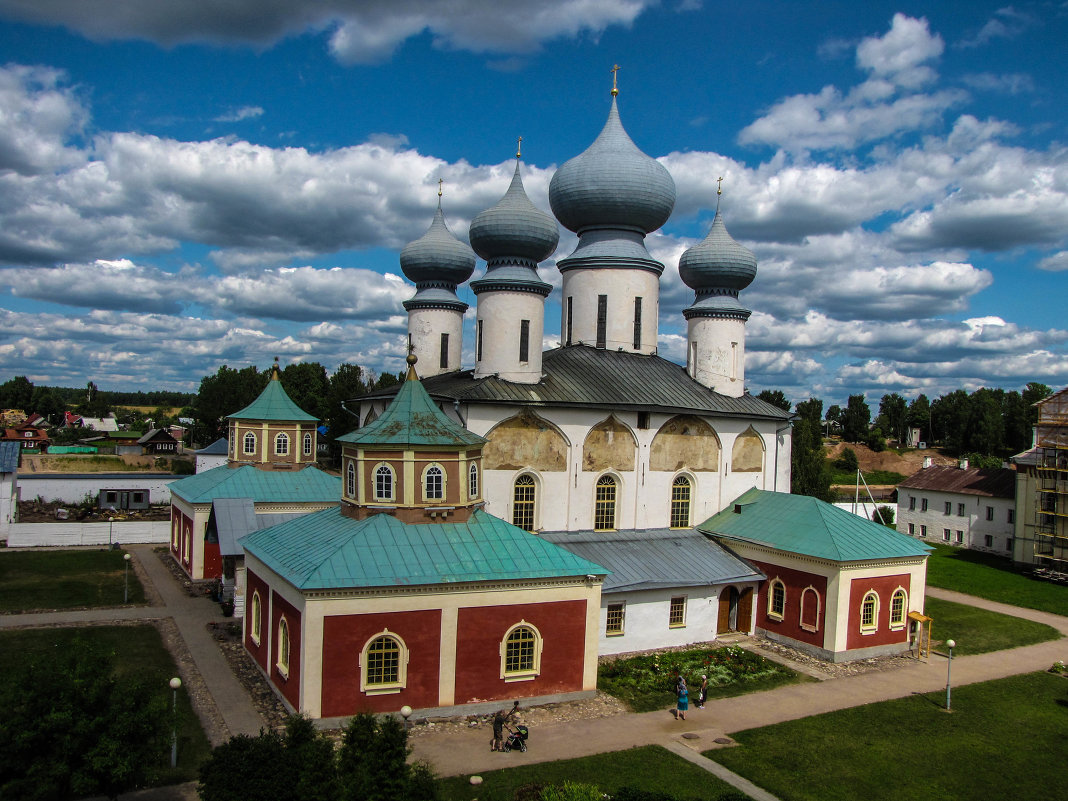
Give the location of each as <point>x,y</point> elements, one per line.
<point>745,610</point>
<point>724,623</point>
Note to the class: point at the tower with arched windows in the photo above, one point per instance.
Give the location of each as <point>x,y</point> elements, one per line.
<point>410,593</point>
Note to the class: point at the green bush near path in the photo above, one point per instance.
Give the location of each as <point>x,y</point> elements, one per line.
<point>1003,739</point>
<point>649,768</point>
<point>979,631</point>
<point>647,682</point>
<point>992,577</point>
<point>47,580</point>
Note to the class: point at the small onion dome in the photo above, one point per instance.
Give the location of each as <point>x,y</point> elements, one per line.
<point>612,184</point>
<point>718,262</point>
<point>437,256</point>
<point>514,229</point>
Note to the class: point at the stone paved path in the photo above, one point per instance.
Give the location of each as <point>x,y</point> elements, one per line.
<point>467,752</point>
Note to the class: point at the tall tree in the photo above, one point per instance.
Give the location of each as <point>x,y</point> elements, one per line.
<point>222,394</point>
<point>809,472</point>
<point>307,385</point>
<point>16,393</point>
<point>46,404</point>
<point>811,410</point>
<point>984,427</point>
<point>894,409</point>
<point>856,419</point>
<point>346,384</point>
<point>948,416</point>
<point>776,398</point>
<point>919,416</point>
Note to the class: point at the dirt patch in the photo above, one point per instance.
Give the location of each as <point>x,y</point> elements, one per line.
<point>45,512</point>
<point>96,463</point>
<point>905,463</point>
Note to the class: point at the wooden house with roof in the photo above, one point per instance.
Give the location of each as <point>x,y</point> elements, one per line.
<point>410,593</point>
<point>838,586</point>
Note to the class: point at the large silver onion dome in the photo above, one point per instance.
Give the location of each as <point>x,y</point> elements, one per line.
<point>612,184</point>
<point>718,262</point>
<point>514,228</point>
<point>437,256</point>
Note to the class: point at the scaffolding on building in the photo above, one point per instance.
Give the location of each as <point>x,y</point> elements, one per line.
<point>1051,509</point>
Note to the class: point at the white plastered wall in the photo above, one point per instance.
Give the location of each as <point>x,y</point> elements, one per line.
<point>622,287</point>
<point>425,326</point>
<point>716,354</point>
<point>500,315</point>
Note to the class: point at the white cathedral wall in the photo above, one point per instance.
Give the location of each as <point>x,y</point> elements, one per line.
<point>621,287</point>
<point>565,499</point>
<point>425,326</point>
<point>716,354</point>
<point>500,315</point>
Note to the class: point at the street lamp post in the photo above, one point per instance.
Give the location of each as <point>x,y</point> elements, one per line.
<point>126,578</point>
<point>175,684</point>
<point>406,712</point>
<point>949,672</point>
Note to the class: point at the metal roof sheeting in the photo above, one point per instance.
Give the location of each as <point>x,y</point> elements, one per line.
<point>580,375</point>
<point>998,482</point>
<point>326,550</point>
<point>808,526</point>
<point>656,558</point>
<point>273,404</point>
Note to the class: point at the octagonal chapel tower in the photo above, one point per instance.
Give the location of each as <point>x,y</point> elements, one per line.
<point>612,196</point>
<point>436,262</point>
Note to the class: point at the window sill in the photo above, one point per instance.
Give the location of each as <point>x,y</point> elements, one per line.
<point>254,640</point>
<point>613,634</point>
<point>283,672</point>
<point>520,676</point>
<point>866,632</point>
<point>897,627</point>
<point>812,629</point>
<point>774,617</point>
<point>383,689</point>
<point>676,625</point>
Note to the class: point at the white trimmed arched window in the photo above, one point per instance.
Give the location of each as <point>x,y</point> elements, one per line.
<point>524,502</point>
<point>255,618</point>
<point>681,492</point>
<point>521,652</point>
<point>385,483</point>
<point>472,481</point>
<point>869,613</point>
<point>776,599</point>
<point>249,444</point>
<point>433,483</point>
<point>604,504</point>
<point>307,444</point>
<point>899,607</point>
<point>281,444</point>
<point>383,664</point>
<point>350,480</point>
<point>283,647</point>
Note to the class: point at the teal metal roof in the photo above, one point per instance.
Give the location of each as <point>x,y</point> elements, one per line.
<point>808,526</point>
<point>326,550</point>
<point>412,419</point>
<point>273,404</point>
<point>310,485</point>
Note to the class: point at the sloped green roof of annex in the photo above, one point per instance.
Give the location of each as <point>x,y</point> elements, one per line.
<point>412,419</point>
<point>326,550</point>
<point>273,404</point>
<point>310,485</point>
<point>808,526</point>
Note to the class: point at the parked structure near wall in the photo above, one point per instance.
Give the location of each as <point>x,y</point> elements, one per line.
<point>962,506</point>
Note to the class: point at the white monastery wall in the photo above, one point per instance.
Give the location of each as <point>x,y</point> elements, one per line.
<point>622,287</point>
<point>30,535</point>
<point>73,488</point>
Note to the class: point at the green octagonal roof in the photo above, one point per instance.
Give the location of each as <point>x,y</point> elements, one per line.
<point>273,404</point>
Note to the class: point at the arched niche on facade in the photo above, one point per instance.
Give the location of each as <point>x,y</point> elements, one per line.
<point>747,456</point>
<point>610,445</point>
<point>525,441</point>
<point>685,442</point>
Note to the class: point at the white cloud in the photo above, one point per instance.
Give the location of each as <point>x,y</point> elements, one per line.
<point>1058,262</point>
<point>37,117</point>
<point>239,114</point>
<point>1007,23</point>
<point>1015,83</point>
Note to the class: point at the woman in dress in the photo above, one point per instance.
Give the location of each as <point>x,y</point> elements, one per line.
<point>683,702</point>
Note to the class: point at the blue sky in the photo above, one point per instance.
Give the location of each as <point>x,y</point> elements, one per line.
<point>182,188</point>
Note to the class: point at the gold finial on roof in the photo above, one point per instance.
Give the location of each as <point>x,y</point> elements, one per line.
<point>615,73</point>
<point>275,372</point>
<point>519,148</point>
<point>719,185</point>
<point>411,359</point>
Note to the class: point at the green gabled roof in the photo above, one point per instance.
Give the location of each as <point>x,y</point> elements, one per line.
<point>412,419</point>
<point>310,485</point>
<point>805,525</point>
<point>326,550</point>
<point>273,404</point>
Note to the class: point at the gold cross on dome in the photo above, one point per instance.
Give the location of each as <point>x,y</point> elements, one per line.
<point>719,185</point>
<point>615,73</point>
<point>519,148</point>
<point>440,182</point>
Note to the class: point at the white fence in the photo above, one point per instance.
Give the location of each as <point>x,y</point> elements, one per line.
<point>26,535</point>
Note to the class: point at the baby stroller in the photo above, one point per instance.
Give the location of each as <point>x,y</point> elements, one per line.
<point>517,739</point>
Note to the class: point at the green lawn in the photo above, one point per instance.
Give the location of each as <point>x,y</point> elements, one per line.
<point>647,682</point>
<point>978,631</point>
<point>993,578</point>
<point>137,649</point>
<point>1004,739</point>
<point>648,768</point>
<point>35,580</point>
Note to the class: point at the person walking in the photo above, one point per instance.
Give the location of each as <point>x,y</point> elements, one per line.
<point>683,701</point>
<point>499,717</point>
<point>702,694</point>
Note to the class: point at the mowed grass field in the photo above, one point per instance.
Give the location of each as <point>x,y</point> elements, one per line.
<point>46,580</point>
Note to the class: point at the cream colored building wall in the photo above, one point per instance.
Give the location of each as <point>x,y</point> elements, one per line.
<point>319,606</point>
<point>621,287</point>
<point>425,326</point>
<point>916,588</point>
<point>716,354</point>
<point>500,314</point>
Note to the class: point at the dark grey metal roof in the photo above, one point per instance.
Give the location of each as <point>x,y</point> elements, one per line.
<point>233,518</point>
<point>656,558</point>
<point>583,376</point>
<point>9,456</point>
<point>219,447</point>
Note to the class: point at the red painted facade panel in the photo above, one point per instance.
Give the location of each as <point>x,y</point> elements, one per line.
<point>254,584</point>
<point>795,581</point>
<point>344,638</point>
<point>481,630</point>
<point>288,685</point>
<point>212,560</point>
<point>884,586</point>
